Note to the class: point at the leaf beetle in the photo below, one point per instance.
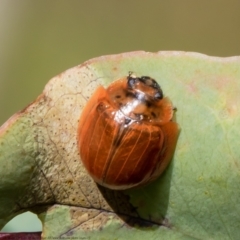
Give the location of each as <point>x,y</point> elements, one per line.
<point>126,133</point>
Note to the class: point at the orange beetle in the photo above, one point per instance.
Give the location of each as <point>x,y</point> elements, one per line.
<point>126,135</point>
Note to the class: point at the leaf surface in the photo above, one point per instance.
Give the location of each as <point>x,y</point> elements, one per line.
<point>195,198</point>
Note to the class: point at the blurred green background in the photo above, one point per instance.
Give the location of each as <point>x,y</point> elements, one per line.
<point>40,39</point>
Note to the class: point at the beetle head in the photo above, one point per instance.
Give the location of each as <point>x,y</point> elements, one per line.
<point>144,87</point>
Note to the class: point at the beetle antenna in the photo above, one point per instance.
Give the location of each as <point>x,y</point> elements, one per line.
<point>130,73</point>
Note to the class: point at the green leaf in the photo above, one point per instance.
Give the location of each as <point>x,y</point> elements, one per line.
<point>195,198</point>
